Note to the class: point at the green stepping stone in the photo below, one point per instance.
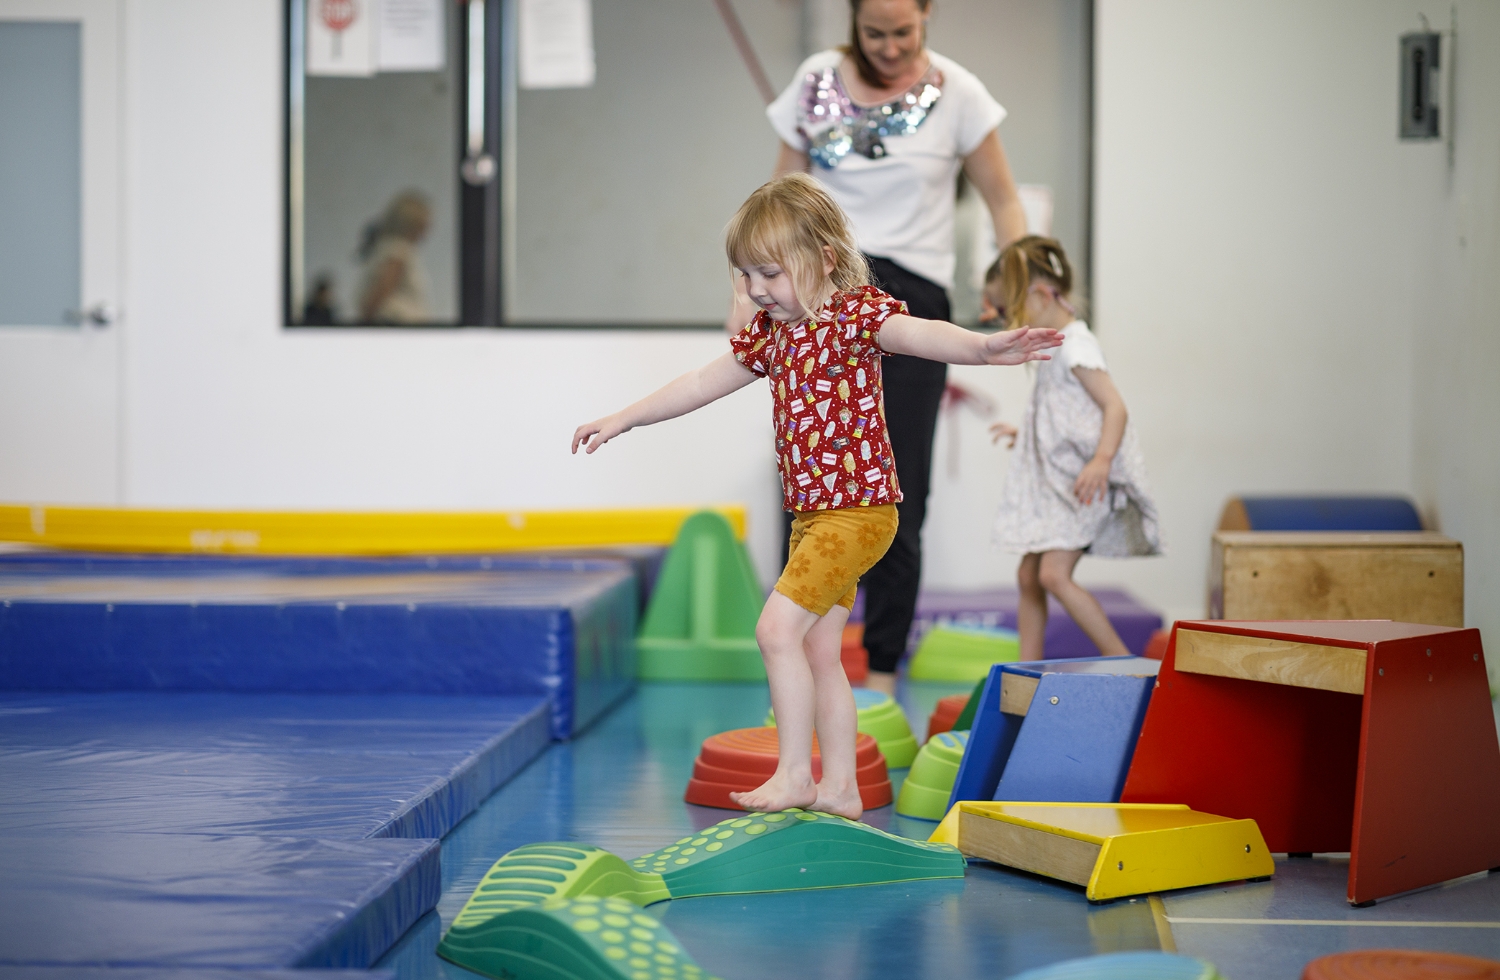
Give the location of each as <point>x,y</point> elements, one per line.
<point>880,717</point>
<point>539,873</point>
<point>794,850</point>
<point>962,653</point>
<point>927,787</point>
<point>581,938</point>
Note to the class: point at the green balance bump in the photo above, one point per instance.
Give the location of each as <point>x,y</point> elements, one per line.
<point>583,938</point>
<point>962,653</point>
<point>700,625</point>
<point>925,792</point>
<point>880,717</point>
<point>794,850</point>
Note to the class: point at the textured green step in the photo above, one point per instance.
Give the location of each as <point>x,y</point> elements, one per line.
<point>793,850</point>
<point>925,791</point>
<point>583,938</point>
<point>879,716</point>
<point>538,873</point>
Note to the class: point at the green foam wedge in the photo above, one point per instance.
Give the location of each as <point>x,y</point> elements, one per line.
<point>582,938</point>
<point>793,850</point>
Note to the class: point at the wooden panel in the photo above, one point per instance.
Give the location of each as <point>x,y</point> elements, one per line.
<point>1255,658</point>
<point>1414,578</point>
<point>1016,692</point>
<point>1015,846</point>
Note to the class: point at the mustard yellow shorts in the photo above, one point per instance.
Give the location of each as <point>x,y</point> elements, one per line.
<point>830,550</point>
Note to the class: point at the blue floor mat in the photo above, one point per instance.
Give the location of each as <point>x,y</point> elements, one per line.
<point>185,973</point>
<point>348,766</point>
<point>184,900</point>
<point>563,630</point>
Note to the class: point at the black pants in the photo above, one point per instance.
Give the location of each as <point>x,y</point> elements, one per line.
<point>913,392</point>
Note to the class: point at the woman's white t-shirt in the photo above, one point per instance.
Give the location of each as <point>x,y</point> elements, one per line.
<point>901,204</point>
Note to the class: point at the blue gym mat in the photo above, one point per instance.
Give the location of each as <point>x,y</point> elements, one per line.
<point>563,630</point>
<point>348,766</point>
<point>185,973</point>
<point>170,900</point>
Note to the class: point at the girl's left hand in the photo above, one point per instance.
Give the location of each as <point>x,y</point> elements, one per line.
<point>1020,346</point>
<point>1093,481</point>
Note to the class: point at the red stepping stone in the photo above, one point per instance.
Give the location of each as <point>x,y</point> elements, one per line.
<point>742,759</point>
<point>946,713</point>
<point>1400,964</point>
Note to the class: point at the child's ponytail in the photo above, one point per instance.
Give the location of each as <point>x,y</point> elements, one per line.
<point>1023,262</point>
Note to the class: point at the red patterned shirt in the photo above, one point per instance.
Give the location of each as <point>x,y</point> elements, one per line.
<point>829,407</point>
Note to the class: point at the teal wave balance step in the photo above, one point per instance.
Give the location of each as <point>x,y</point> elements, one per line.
<point>793,850</point>
<point>584,938</point>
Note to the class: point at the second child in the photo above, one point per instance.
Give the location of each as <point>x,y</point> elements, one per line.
<point>1077,484</point>
<point>817,338</point>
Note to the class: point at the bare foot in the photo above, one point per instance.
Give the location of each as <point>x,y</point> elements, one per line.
<point>841,802</point>
<point>780,792</point>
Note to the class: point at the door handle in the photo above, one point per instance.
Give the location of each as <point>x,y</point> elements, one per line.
<point>98,315</point>
<point>478,167</point>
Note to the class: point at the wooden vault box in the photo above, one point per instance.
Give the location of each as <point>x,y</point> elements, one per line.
<point>1412,577</point>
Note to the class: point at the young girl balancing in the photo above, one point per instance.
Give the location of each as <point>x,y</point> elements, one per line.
<point>1077,484</point>
<point>817,338</point>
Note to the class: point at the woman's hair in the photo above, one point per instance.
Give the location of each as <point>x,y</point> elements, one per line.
<point>1023,262</point>
<point>856,53</point>
<point>407,212</point>
<point>787,222</point>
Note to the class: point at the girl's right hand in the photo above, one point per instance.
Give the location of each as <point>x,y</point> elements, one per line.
<point>1004,430</point>
<point>598,432</point>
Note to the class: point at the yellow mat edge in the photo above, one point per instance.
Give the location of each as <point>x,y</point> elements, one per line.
<point>343,532</point>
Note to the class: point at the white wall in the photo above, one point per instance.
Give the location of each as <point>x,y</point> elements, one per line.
<point>1267,295</point>
<point>1454,217</point>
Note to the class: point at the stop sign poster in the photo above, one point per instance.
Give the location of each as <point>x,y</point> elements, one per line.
<point>340,37</point>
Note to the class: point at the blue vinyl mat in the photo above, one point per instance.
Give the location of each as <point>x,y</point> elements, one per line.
<point>563,630</point>
<point>106,899</point>
<point>310,765</point>
<point>182,973</point>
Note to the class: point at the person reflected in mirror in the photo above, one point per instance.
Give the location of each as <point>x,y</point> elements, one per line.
<point>319,310</point>
<point>394,289</point>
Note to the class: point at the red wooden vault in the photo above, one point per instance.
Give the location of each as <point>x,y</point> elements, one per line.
<point>1366,736</point>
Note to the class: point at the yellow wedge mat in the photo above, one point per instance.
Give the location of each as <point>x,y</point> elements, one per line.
<point>335,533</point>
<point>1112,849</point>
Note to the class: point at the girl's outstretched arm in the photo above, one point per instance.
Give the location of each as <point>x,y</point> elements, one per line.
<point>688,393</point>
<point>939,340</point>
<point>1093,481</point>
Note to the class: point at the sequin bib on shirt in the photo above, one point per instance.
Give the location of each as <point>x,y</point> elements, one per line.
<point>828,406</point>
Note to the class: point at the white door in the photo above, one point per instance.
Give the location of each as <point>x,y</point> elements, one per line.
<point>60,347</point>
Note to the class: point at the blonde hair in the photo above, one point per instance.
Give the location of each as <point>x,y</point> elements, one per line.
<point>1025,261</point>
<point>788,222</point>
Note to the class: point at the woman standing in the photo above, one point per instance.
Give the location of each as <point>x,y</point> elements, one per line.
<point>885,124</point>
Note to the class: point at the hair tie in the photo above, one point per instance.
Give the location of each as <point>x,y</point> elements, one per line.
<point>1056,265</point>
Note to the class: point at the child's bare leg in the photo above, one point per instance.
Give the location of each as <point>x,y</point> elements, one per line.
<point>781,631</point>
<point>1031,611</point>
<point>1056,575</point>
<point>838,790</point>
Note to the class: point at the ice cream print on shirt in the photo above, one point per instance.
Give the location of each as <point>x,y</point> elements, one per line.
<point>831,444</point>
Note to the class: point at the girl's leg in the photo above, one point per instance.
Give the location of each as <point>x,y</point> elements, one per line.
<point>1056,575</point>
<point>838,790</point>
<point>1031,611</point>
<point>781,633</point>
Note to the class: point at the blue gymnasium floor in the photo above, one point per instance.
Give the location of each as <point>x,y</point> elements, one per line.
<point>620,785</point>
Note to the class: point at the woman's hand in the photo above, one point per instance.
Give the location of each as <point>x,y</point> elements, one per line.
<point>598,432</point>
<point>1020,346</point>
<point>1004,430</point>
<point>1093,481</point>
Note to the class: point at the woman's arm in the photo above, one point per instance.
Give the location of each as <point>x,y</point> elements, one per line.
<point>1094,479</point>
<point>989,172</point>
<point>789,160</point>
<point>687,394</point>
<point>939,340</point>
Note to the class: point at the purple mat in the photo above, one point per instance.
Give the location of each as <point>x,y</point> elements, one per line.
<point>997,607</point>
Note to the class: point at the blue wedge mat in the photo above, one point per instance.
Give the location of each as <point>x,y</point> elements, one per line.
<point>271,764</point>
<point>1331,514</point>
<point>184,900</point>
<point>566,632</point>
<point>185,973</point>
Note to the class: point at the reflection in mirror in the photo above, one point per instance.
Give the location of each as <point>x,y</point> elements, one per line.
<point>374,162</point>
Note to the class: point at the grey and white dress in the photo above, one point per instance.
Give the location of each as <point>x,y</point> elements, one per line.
<point>1059,434</point>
